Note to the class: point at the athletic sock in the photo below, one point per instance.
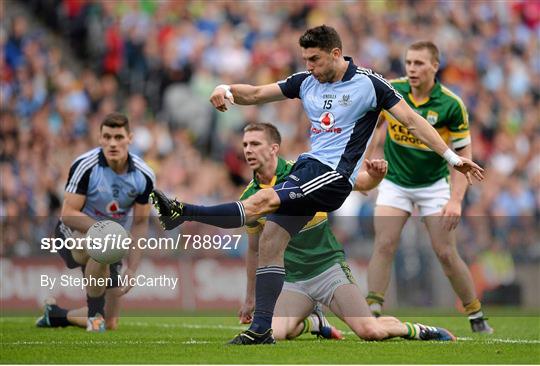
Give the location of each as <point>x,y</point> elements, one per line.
<point>413,331</point>
<point>307,326</point>
<point>227,215</point>
<point>375,301</point>
<point>96,305</point>
<point>474,309</point>
<point>58,316</point>
<point>311,324</point>
<point>268,286</point>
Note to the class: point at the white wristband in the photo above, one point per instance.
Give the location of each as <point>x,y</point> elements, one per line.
<point>451,157</point>
<point>227,89</point>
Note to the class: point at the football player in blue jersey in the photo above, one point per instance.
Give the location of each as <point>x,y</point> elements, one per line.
<point>106,183</point>
<point>342,102</point>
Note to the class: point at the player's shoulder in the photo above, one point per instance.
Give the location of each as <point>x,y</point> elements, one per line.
<point>297,77</point>
<point>376,79</point>
<point>81,169</point>
<point>450,97</point>
<point>290,163</point>
<point>401,84</point>
<point>368,72</point>
<point>293,85</point>
<point>249,190</point>
<point>88,155</point>
<point>142,167</point>
<point>87,160</point>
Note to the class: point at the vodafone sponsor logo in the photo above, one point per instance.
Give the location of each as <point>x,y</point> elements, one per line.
<point>327,120</point>
<point>327,123</point>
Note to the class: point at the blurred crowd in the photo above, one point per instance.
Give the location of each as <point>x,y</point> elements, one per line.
<point>158,62</point>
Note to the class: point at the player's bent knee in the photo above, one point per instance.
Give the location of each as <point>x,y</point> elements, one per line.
<point>279,333</point>
<point>280,328</point>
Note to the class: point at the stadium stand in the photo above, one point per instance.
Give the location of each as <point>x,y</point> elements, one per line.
<point>159,61</point>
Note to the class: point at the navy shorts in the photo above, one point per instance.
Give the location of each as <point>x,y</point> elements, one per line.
<point>311,187</point>
<point>70,262</point>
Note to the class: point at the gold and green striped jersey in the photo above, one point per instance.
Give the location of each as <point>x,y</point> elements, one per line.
<point>411,163</point>
<point>314,249</point>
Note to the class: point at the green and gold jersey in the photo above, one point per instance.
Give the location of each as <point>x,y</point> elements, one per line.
<point>314,249</point>
<point>412,164</point>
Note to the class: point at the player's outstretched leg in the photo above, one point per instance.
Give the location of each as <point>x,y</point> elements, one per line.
<point>349,305</point>
<point>173,213</point>
<point>226,215</point>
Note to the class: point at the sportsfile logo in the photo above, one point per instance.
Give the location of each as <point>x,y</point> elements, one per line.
<point>113,241</point>
<point>110,241</point>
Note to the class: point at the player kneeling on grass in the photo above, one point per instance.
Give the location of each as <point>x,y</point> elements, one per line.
<point>106,183</point>
<point>315,267</point>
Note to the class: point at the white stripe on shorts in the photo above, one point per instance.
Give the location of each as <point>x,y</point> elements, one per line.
<point>318,179</point>
<point>322,184</point>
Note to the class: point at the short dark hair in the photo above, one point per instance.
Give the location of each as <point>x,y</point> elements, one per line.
<point>428,45</point>
<point>271,131</point>
<point>324,37</point>
<point>115,120</point>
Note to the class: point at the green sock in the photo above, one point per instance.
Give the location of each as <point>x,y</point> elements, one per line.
<point>413,331</point>
<point>311,323</point>
<point>375,301</point>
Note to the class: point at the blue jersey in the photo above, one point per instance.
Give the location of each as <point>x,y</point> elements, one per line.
<point>343,114</point>
<point>110,196</point>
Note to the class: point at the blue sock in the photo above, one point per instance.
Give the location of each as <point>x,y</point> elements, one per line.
<point>227,215</point>
<point>268,286</point>
<point>58,316</point>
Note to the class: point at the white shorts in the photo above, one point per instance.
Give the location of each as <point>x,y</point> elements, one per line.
<point>429,200</point>
<point>321,288</point>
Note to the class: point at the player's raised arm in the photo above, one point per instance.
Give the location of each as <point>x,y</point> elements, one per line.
<point>245,94</point>
<point>421,128</point>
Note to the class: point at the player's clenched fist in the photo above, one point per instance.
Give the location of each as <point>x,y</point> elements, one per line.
<point>220,94</point>
<point>377,168</point>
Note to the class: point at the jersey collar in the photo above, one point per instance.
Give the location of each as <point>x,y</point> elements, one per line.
<point>351,69</point>
<point>280,169</point>
<point>435,92</point>
<point>102,161</point>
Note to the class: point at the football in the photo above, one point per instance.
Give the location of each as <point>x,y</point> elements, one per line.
<point>108,242</point>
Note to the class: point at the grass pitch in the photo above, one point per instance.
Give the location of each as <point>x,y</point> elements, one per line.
<point>194,340</point>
